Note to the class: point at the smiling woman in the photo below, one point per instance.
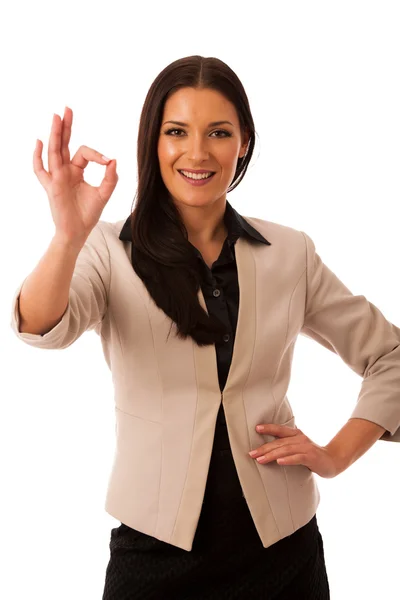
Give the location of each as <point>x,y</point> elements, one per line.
<point>200,519</point>
<point>195,142</point>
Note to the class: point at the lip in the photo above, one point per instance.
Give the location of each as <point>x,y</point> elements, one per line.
<point>197,171</point>
<point>196,182</point>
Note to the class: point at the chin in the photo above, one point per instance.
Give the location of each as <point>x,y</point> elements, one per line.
<point>196,202</point>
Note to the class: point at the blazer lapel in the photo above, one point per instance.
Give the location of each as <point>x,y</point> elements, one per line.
<point>205,356</point>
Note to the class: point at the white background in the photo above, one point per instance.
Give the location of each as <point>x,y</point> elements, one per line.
<point>323,84</point>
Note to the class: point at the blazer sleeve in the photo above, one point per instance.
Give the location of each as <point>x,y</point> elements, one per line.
<point>357,331</point>
<point>88,297</point>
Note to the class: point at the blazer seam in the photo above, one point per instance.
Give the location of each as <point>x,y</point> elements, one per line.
<point>191,447</point>
<point>111,316</point>
<point>248,374</point>
<point>247,378</point>
<point>307,276</point>
<point>109,264</point>
<point>110,271</point>
<point>284,343</point>
<point>160,380</point>
<point>136,416</point>
<point>162,413</point>
<point>272,388</point>
<point>255,337</point>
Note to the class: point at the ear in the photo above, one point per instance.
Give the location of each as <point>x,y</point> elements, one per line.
<point>243,147</point>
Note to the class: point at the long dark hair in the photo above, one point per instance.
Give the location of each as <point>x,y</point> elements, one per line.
<point>161,254</point>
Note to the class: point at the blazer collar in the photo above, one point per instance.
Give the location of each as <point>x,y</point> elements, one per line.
<point>236,224</point>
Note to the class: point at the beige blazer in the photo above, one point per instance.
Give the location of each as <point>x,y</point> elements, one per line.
<point>167,393</point>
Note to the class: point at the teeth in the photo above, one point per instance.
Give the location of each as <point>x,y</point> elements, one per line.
<point>197,175</point>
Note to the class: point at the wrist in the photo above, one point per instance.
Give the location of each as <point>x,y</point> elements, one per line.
<point>73,246</point>
<point>352,441</point>
<point>340,461</point>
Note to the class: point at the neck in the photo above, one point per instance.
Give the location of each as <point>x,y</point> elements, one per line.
<point>204,224</point>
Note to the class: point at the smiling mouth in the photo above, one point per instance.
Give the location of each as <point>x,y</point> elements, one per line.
<point>201,176</point>
<point>197,181</point>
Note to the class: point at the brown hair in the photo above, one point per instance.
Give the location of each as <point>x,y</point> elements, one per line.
<point>161,254</point>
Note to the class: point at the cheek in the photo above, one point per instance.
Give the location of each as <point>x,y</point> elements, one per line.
<point>227,158</point>
<point>167,153</point>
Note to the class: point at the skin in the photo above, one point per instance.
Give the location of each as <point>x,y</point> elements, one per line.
<point>75,205</point>
<point>293,447</point>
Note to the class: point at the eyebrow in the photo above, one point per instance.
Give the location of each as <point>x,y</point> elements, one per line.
<point>213,124</point>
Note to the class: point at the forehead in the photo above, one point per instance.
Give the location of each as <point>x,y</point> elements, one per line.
<point>201,104</point>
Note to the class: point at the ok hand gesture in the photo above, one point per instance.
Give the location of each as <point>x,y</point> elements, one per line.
<point>75,205</point>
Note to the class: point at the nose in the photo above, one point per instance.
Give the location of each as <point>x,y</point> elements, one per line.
<point>197,148</point>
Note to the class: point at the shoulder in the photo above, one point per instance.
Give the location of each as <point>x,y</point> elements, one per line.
<point>110,230</point>
<point>277,233</point>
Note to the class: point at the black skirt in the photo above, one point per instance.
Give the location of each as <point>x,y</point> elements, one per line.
<point>227,560</point>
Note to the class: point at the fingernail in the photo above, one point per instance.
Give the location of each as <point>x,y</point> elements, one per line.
<point>106,159</point>
<point>253,452</point>
<point>259,427</point>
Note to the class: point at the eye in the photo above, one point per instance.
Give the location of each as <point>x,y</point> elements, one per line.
<point>169,132</point>
<point>226,133</point>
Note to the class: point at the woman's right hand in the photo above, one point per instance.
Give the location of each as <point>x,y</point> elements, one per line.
<point>75,205</point>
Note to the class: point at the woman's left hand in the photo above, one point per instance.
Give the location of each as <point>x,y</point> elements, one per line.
<point>293,447</point>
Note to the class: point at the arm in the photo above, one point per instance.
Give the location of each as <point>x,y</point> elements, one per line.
<point>352,441</point>
<point>80,301</point>
<point>45,292</point>
<point>357,331</point>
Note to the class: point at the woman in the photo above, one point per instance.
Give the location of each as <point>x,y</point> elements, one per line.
<point>185,243</point>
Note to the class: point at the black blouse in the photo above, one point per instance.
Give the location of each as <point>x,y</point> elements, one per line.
<point>220,285</point>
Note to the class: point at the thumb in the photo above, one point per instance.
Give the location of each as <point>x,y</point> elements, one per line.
<point>109,182</point>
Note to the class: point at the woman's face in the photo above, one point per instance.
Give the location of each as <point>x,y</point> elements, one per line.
<point>197,144</point>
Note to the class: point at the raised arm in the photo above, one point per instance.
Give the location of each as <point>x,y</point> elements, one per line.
<point>66,293</point>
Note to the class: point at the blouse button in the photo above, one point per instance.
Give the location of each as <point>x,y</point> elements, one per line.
<point>216,293</point>
<point>226,337</point>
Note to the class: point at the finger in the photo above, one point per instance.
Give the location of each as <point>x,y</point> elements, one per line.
<point>275,453</point>
<point>38,168</point>
<point>109,182</point>
<point>55,159</point>
<point>66,134</point>
<point>274,449</point>
<point>295,459</point>
<point>277,430</point>
<point>84,155</point>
